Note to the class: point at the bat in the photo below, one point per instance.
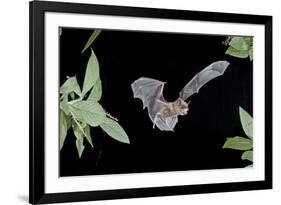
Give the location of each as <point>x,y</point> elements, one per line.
<point>165,114</point>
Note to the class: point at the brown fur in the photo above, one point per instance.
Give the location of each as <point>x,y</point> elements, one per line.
<point>178,107</point>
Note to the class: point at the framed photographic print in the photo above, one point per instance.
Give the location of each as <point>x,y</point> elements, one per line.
<point>139,102</point>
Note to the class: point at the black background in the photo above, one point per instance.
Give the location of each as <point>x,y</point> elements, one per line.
<point>197,141</point>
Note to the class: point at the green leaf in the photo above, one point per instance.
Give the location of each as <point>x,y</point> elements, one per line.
<point>63,128</point>
<point>89,112</point>
<point>91,39</point>
<point>70,85</point>
<point>251,53</point>
<point>248,155</point>
<point>68,121</point>
<point>81,131</point>
<point>96,92</point>
<point>80,146</point>
<point>114,130</point>
<point>236,53</point>
<point>239,143</point>
<point>249,41</point>
<point>88,135</point>
<point>64,105</point>
<point>92,73</point>
<point>239,43</point>
<point>79,139</point>
<point>247,122</point>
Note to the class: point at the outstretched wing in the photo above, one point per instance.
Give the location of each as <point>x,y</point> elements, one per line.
<point>209,73</point>
<point>166,123</point>
<point>150,91</point>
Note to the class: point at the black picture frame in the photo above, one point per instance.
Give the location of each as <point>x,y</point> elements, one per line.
<point>37,9</point>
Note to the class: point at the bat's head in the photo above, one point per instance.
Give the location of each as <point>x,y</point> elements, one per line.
<point>182,106</point>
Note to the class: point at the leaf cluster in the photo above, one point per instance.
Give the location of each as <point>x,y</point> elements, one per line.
<point>242,143</point>
<point>240,47</point>
<point>80,109</point>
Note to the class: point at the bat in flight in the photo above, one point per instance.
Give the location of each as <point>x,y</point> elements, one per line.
<point>165,114</point>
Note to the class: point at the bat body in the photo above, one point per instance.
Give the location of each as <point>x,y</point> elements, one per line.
<point>165,114</point>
